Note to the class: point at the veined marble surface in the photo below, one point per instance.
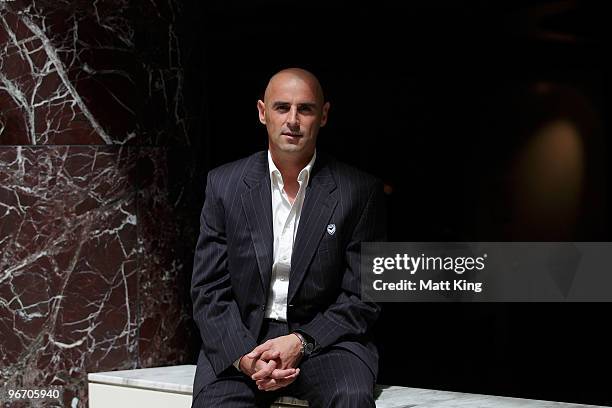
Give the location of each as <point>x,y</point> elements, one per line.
<point>405,397</point>
<point>173,378</point>
<point>99,189</point>
<point>180,379</point>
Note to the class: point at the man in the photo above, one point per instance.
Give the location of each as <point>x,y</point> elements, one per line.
<point>276,285</point>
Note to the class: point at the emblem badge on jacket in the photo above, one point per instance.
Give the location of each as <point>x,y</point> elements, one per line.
<point>331,229</point>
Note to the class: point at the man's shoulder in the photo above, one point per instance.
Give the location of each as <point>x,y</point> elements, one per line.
<point>346,173</point>
<point>238,168</point>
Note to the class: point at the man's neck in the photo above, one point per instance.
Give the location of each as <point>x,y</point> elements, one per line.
<point>290,165</point>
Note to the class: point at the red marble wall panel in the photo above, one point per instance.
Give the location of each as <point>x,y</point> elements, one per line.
<point>167,235</point>
<point>41,96</point>
<point>68,280</point>
<point>91,73</point>
<point>96,233</point>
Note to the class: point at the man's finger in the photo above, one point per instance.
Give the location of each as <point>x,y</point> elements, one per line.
<point>259,349</point>
<point>270,355</point>
<point>279,373</point>
<point>265,370</point>
<point>262,382</point>
<point>272,385</point>
<point>256,352</point>
<point>288,378</point>
<point>268,385</point>
<point>297,372</point>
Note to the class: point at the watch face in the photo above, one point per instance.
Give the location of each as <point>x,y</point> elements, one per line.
<point>308,348</point>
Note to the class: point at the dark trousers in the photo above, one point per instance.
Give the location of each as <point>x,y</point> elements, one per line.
<point>334,377</point>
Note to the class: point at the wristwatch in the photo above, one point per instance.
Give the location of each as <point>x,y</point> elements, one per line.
<point>307,346</point>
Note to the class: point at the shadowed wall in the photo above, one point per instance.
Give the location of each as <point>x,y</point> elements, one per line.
<point>97,218</point>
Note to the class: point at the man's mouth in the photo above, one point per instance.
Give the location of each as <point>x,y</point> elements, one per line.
<point>292,134</point>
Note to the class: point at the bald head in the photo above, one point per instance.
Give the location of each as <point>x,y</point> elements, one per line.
<point>298,75</point>
<point>293,110</point>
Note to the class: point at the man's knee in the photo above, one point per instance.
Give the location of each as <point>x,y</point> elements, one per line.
<point>336,378</point>
<point>351,397</point>
<point>226,392</point>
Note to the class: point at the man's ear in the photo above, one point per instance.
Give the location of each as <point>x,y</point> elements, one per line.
<point>324,114</point>
<point>261,107</point>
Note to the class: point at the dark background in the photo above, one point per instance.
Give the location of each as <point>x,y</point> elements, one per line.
<point>472,113</point>
<point>437,100</point>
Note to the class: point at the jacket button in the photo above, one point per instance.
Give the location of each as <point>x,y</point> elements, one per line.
<point>290,305</point>
<point>263,307</point>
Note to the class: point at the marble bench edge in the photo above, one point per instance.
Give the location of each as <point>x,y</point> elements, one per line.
<point>121,378</point>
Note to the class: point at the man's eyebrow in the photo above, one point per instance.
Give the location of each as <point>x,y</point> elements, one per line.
<point>279,103</point>
<point>307,105</point>
<point>300,105</point>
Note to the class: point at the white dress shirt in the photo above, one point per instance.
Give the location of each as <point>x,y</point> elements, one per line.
<point>285,220</point>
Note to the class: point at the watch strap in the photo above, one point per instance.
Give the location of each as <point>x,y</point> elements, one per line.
<point>307,344</point>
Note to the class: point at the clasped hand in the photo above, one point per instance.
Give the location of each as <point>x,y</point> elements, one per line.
<point>273,364</point>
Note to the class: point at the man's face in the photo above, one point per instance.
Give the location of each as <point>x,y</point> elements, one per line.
<point>293,112</point>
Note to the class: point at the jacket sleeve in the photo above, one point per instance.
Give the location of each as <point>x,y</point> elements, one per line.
<point>224,336</point>
<point>350,317</point>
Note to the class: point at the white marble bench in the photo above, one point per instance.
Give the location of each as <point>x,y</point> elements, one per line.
<point>171,387</point>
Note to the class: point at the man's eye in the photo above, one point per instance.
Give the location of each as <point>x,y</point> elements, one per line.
<point>282,108</point>
<point>306,109</point>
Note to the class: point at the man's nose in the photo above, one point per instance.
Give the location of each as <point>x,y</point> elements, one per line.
<point>292,117</point>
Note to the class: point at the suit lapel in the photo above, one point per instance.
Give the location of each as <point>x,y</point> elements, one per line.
<point>318,207</point>
<point>257,205</point>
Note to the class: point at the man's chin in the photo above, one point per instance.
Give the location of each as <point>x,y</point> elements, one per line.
<point>291,148</point>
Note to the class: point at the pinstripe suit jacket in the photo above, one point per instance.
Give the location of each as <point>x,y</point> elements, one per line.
<point>234,255</point>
